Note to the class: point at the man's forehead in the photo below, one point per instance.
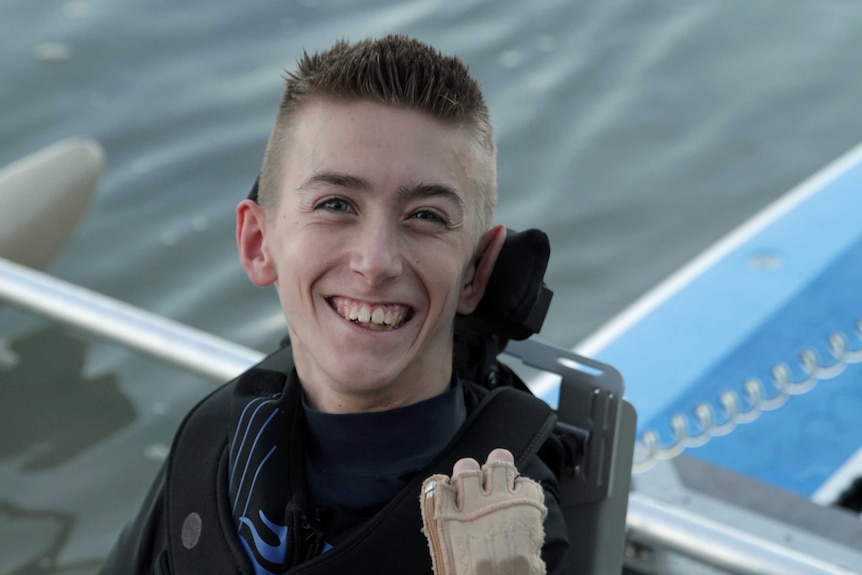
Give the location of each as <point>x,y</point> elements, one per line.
<point>347,136</point>
<point>344,111</point>
<point>320,127</point>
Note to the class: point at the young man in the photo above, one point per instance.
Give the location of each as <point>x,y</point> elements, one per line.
<point>374,223</point>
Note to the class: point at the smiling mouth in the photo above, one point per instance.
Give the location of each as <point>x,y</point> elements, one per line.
<point>381,317</point>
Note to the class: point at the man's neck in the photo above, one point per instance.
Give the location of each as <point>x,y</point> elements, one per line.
<point>338,397</point>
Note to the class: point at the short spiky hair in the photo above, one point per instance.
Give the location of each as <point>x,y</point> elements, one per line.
<point>394,70</point>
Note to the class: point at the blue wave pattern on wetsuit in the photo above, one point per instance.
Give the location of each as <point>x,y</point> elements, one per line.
<point>254,443</point>
<point>272,553</point>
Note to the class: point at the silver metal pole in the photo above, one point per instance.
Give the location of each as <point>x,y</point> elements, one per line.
<point>121,323</point>
<point>667,527</point>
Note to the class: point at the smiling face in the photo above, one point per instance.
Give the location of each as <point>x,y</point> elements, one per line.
<point>372,249</point>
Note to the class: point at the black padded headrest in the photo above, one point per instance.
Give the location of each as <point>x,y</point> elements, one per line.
<point>516,300</point>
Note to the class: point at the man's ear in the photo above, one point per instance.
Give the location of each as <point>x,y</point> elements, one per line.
<point>250,233</point>
<point>482,266</point>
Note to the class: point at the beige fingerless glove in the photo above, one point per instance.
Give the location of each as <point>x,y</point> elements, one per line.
<point>487,522</point>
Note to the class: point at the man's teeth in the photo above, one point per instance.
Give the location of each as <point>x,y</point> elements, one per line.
<point>364,314</point>
<point>378,315</point>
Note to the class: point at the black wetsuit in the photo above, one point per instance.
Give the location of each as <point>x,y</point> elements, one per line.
<point>278,484</point>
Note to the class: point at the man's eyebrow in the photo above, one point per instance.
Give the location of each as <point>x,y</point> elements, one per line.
<point>424,191</point>
<point>335,179</point>
<point>416,191</point>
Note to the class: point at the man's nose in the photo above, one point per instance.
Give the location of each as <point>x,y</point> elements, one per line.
<point>377,253</point>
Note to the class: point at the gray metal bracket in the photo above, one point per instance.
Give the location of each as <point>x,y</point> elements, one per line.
<point>594,493</point>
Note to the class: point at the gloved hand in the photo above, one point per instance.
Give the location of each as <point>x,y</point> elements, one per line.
<point>486,521</point>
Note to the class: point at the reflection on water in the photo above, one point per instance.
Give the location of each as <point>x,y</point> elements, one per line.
<point>31,543</point>
<point>45,422</point>
<point>51,419</point>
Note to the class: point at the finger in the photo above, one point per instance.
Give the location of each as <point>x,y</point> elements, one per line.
<point>468,486</point>
<point>499,475</point>
<point>501,454</point>
<point>465,464</point>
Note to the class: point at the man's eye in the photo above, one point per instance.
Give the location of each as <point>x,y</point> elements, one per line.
<point>334,205</point>
<point>430,216</point>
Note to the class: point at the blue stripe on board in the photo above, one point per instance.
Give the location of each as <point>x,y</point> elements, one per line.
<point>674,345</point>
<point>735,321</point>
<point>801,444</point>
